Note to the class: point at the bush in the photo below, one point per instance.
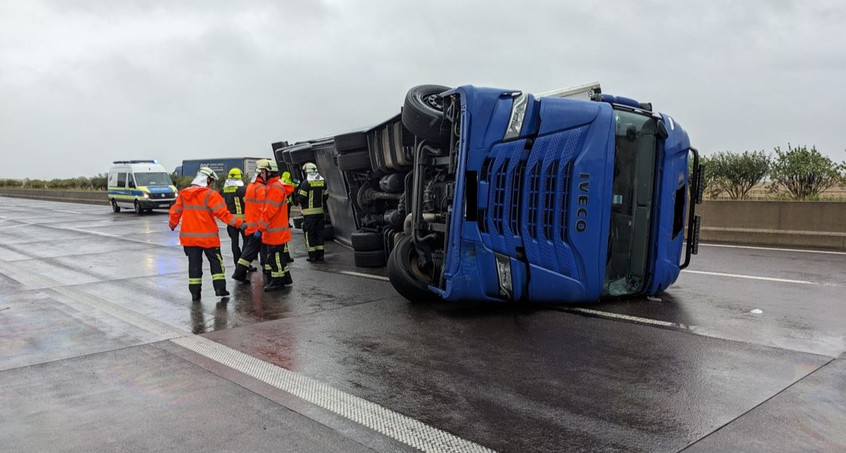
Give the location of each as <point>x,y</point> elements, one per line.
<point>803,173</point>
<point>181,182</point>
<point>736,174</point>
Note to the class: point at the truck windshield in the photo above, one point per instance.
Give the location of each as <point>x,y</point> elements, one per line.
<point>152,179</point>
<point>631,203</point>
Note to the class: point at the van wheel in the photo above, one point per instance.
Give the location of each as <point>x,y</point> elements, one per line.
<point>115,207</point>
<point>138,209</point>
<point>405,274</point>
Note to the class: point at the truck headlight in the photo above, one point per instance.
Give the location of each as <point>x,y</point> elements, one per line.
<point>146,195</point>
<point>503,273</point>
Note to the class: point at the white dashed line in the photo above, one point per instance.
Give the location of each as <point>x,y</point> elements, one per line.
<point>637,319</point>
<point>359,274</point>
<point>754,277</point>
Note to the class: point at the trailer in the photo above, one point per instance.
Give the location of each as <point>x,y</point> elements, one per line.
<point>221,165</point>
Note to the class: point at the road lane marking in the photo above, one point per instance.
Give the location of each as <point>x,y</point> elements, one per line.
<point>393,424</point>
<point>825,252</point>
<point>753,277</point>
<point>397,426</point>
<point>360,274</point>
<point>636,319</point>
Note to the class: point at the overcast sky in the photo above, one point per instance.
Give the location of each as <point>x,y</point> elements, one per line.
<point>83,83</point>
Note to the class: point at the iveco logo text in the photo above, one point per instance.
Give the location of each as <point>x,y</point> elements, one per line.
<point>582,212</point>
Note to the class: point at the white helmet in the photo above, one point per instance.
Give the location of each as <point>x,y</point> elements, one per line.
<point>208,172</point>
<point>310,168</point>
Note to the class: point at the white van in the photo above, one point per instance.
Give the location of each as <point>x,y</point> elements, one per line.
<point>141,185</point>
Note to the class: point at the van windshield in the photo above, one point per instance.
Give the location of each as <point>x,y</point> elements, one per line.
<point>631,204</point>
<point>152,179</point>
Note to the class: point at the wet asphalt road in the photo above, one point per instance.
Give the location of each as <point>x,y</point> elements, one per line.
<point>98,352</point>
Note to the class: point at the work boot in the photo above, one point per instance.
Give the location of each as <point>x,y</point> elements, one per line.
<point>195,291</point>
<point>240,273</point>
<point>221,292</point>
<point>275,285</point>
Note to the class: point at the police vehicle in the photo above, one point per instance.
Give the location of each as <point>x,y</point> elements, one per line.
<point>140,185</point>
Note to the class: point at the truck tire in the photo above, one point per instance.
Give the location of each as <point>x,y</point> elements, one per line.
<point>423,114</point>
<point>115,207</point>
<point>353,141</point>
<point>366,241</point>
<point>301,156</point>
<point>138,210</point>
<point>370,258</point>
<point>359,160</point>
<point>405,276</point>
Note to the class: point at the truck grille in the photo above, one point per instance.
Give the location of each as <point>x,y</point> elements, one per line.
<point>528,192</point>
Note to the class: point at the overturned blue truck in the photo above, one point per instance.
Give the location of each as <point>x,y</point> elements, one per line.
<point>499,195</point>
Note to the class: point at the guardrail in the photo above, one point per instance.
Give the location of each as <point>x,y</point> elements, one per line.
<point>73,196</point>
<point>818,224</point>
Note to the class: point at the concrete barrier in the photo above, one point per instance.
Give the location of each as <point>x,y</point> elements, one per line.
<point>73,196</point>
<point>820,224</point>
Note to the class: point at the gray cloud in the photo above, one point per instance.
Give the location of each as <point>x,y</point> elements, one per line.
<point>86,82</point>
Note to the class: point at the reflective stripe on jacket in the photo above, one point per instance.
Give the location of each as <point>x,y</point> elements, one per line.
<point>253,204</point>
<point>197,207</point>
<point>312,196</point>
<point>234,198</point>
<point>274,217</point>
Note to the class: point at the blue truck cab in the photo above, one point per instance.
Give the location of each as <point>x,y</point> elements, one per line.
<point>516,197</point>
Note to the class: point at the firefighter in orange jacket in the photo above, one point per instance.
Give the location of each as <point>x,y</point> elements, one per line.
<point>197,206</point>
<point>253,205</point>
<point>274,230</point>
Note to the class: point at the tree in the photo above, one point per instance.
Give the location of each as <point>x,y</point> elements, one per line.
<point>736,174</point>
<point>803,173</point>
<point>709,183</point>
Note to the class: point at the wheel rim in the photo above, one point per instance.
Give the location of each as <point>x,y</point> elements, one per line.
<point>434,101</point>
<point>137,208</point>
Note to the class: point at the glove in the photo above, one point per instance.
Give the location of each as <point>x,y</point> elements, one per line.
<point>172,227</point>
<point>243,226</point>
<point>257,235</point>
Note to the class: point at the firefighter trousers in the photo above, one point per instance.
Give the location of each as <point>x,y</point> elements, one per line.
<point>237,237</point>
<point>253,248</point>
<point>313,228</point>
<point>277,262</point>
<point>195,268</point>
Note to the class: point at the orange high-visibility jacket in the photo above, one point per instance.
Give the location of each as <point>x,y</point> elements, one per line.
<point>274,217</point>
<point>197,207</point>
<point>253,204</point>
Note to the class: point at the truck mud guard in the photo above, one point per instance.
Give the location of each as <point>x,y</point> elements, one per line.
<point>694,221</point>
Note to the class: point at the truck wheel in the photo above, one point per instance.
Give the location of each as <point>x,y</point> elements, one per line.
<point>353,141</point>
<point>301,156</point>
<point>138,210</point>
<point>365,240</point>
<point>115,207</point>
<point>354,161</point>
<point>370,258</point>
<point>423,114</point>
<point>408,279</point>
